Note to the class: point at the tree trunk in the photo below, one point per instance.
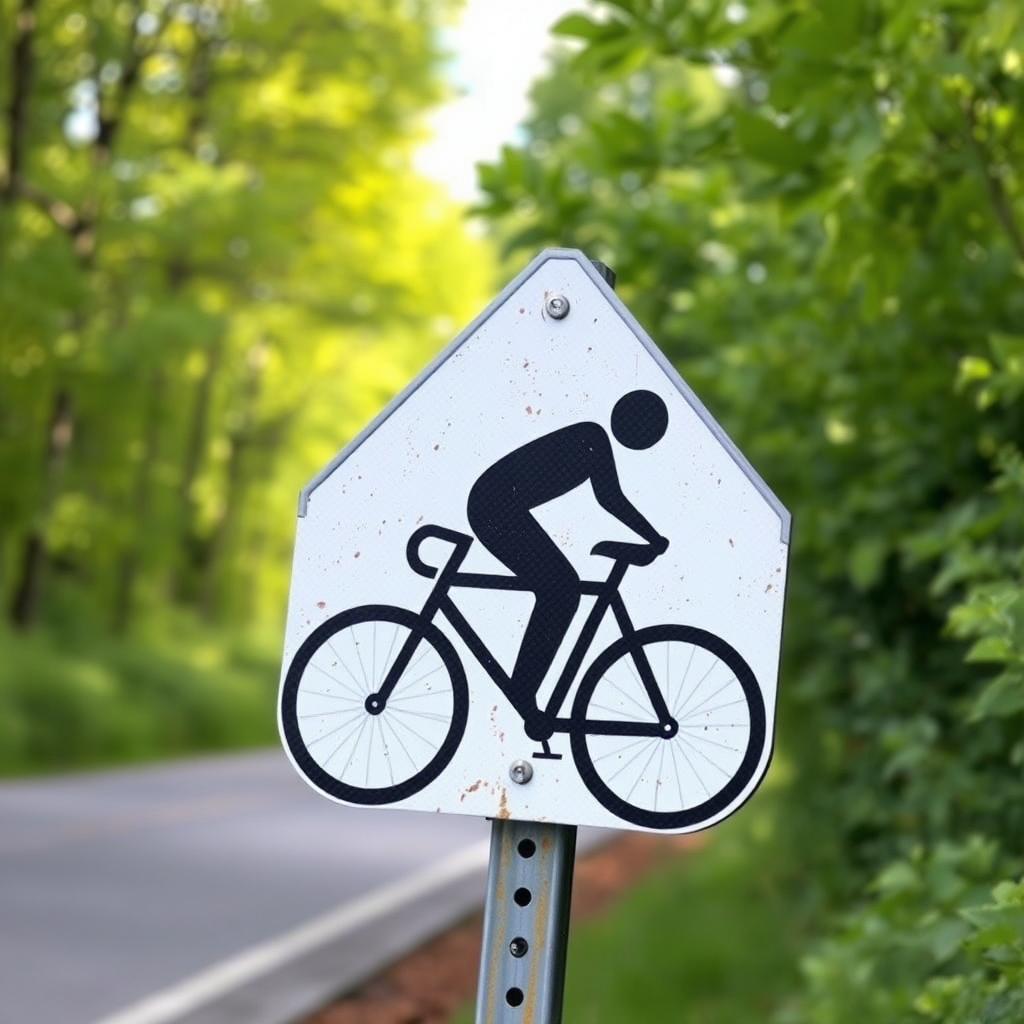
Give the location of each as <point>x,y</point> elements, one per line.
<point>24,607</point>
<point>241,440</point>
<point>131,557</point>
<point>193,460</point>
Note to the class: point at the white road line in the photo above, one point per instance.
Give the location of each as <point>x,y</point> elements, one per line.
<point>229,974</point>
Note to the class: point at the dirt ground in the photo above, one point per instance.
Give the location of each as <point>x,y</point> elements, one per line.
<point>426,986</point>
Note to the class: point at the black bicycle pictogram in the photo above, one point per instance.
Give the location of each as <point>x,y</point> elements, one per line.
<point>667,727</point>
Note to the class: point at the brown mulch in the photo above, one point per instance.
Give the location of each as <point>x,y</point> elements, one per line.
<point>428,984</point>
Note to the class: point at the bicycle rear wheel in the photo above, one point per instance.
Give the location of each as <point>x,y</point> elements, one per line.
<point>678,777</point>
<point>374,758</point>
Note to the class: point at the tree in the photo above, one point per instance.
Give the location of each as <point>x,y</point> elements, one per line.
<point>214,256</point>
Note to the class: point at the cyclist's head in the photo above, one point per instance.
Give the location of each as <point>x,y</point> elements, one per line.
<point>639,419</point>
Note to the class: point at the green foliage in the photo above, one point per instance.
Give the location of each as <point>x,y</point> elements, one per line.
<point>70,700</point>
<point>933,945</point>
<point>817,211</point>
<point>216,263</point>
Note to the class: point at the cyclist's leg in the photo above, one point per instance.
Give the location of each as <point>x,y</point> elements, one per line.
<point>517,540</point>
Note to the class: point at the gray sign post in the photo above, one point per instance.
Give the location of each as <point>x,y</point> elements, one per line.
<point>526,923</point>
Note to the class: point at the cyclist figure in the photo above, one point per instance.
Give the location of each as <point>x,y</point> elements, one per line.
<point>500,511</point>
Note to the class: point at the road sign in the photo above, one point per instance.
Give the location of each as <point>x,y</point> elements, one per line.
<point>542,584</point>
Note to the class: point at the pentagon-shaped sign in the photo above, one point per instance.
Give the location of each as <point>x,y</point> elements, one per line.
<point>543,584</point>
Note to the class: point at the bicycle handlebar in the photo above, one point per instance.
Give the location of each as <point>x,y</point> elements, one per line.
<point>631,554</point>
<point>460,541</point>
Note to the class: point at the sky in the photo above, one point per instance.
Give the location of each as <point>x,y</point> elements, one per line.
<point>498,48</point>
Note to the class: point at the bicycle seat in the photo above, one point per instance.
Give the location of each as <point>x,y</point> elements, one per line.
<point>461,541</point>
<point>622,551</point>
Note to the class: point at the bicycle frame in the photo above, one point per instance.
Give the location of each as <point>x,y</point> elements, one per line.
<point>608,597</point>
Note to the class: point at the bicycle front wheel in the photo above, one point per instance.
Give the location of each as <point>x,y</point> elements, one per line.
<point>387,755</point>
<point>677,776</point>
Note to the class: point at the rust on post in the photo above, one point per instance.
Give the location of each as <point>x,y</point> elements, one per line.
<point>526,923</point>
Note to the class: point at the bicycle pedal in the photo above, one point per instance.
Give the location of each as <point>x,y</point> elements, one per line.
<point>547,755</point>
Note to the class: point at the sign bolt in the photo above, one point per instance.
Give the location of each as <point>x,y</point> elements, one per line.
<point>521,772</point>
<point>557,307</point>
<point>518,947</point>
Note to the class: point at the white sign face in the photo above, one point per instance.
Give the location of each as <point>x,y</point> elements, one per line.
<point>542,584</point>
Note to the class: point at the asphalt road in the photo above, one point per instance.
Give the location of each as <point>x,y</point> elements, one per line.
<point>117,885</point>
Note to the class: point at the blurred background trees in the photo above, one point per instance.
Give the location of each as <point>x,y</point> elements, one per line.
<point>816,210</point>
<point>216,262</point>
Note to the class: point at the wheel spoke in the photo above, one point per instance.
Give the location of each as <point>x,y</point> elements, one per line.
<point>358,699</point>
<point>419,736</point>
<point>726,685</point>
<point>675,771</point>
<point>718,707</point>
<point>369,751</point>
<point>617,712</point>
<point>700,753</point>
<point>373,657</point>
<point>398,739</point>
<point>682,682</point>
<point>718,725</point>
<point>418,696</point>
<point>623,767</point>
<point>657,781</point>
<point>647,764</point>
<point>387,753</point>
<point>325,714</point>
<point>334,679</point>
<point>714,743</point>
<point>355,748</point>
<point>413,682</point>
<point>356,716</point>
<point>391,650</point>
<point>427,716</point>
<point>359,656</point>
<point>693,768</point>
<point>618,751</point>
<point>646,711</point>
<point>426,650</point>
<point>700,683</point>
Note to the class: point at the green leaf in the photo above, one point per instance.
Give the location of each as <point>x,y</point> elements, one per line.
<point>865,562</point>
<point>1004,696</point>
<point>769,143</point>
<point>990,648</point>
<point>579,26</point>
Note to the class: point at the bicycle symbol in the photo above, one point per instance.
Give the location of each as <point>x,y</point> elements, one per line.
<point>667,727</point>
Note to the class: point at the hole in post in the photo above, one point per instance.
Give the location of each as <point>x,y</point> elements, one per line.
<point>526,847</point>
<point>514,997</point>
<point>522,896</point>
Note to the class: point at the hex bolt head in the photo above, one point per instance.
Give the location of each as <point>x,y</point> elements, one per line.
<point>521,772</point>
<point>518,947</point>
<point>557,307</point>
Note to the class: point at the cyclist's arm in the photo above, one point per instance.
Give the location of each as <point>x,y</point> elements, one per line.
<point>604,480</point>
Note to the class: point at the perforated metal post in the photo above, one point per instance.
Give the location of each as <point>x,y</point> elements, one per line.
<point>526,923</point>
